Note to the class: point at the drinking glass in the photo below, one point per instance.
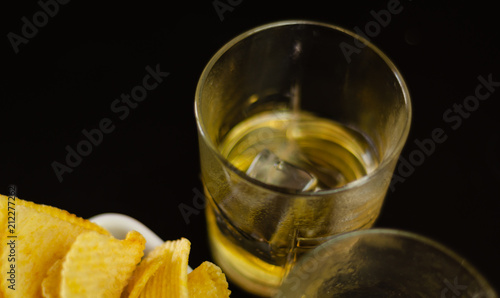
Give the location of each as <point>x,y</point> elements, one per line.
<point>383,263</point>
<point>298,137</point>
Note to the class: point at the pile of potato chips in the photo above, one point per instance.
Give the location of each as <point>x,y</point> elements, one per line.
<point>58,254</point>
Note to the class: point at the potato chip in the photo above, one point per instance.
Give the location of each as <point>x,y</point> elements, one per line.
<point>99,265</point>
<point>60,255</point>
<point>207,281</point>
<point>51,284</point>
<point>163,273</point>
<point>44,234</point>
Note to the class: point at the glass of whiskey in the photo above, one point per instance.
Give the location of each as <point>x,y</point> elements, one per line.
<point>300,126</point>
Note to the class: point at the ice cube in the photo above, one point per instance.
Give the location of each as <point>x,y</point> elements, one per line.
<point>268,168</point>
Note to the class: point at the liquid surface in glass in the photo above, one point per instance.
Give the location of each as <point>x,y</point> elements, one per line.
<point>332,153</point>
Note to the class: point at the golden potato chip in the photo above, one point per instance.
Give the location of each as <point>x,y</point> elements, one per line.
<point>207,281</point>
<point>43,234</point>
<point>99,265</point>
<point>51,284</point>
<point>163,273</point>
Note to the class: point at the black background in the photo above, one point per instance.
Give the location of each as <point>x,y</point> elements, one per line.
<point>64,79</point>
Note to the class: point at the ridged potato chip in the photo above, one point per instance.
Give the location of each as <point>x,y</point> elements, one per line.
<point>60,255</point>
<point>100,265</point>
<point>208,281</point>
<point>163,273</point>
<point>44,234</point>
<point>51,284</point>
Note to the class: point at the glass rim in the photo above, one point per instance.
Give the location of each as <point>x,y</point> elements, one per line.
<point>397,233</point>
<point>287,191</point>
